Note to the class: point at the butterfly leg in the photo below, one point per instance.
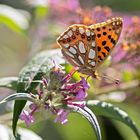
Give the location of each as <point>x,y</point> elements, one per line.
<point>95,75</point>
<point>67,78</point>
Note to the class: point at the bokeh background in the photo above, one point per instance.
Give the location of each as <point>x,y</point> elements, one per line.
<point>30,26</point>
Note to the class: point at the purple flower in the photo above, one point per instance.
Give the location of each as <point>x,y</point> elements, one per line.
<point>84,83</point>
<point>62,116</point>
<point>27,117</point>
<point>73,4</point>
<point>129,43</point>
<point>76,92</point>
<point>33,106</point>
<point>101,14</point>
<point>58,92</point>
<point>64,7</point>
<point>81,95</point>
<point>119,55</point>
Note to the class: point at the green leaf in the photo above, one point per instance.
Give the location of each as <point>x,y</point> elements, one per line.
<point>110,111</point>
<point>41,11</point>
<point>13,18</point>
<point>18,96</point>
<point>9,82</point>
<point>40,65</point>
<point>132,6</point>
<point>89,115</point>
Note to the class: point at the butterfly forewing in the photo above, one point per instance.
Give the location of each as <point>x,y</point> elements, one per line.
<point>107,35</point>
<point>78,46</point>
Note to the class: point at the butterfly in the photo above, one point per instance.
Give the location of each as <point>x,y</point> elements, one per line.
<point>87,47</point>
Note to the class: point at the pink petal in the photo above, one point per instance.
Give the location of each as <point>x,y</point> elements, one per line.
<point>62,116</point>
<point>27,117</point>
<point>81,95</point>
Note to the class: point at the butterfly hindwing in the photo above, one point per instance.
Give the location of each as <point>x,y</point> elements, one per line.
<point>78,46</point>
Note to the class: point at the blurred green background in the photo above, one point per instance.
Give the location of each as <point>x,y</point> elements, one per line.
<point>25,33</point>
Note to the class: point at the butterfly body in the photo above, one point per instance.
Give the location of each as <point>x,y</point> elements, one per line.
<point>86,47</point>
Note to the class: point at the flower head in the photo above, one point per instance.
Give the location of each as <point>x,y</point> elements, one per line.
<point>56,96</point>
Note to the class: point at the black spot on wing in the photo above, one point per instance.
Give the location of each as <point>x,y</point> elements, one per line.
<point>109,36</point>
<point>104,54</point>
<point>98,35</point>
<point>103,43</point>
<point>98,29</point>
<point>100,58</point>
<point>99,48</point>
<point>113,41</point>
<point>104,33</point>
<point>107,48</point>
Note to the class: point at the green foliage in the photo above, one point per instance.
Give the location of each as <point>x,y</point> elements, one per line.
<point>89,115</point>
<point>14,19</point>
<point>19,96</point>
<point>110,111</point>
<point>9,82</point>
<point>41,11</point>
<point>127,75</point>
<point>39,66</point>
<point>117,4</point>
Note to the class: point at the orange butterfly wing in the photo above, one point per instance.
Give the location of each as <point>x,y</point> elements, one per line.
<point>86,47</point>
<point>107,35</point>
